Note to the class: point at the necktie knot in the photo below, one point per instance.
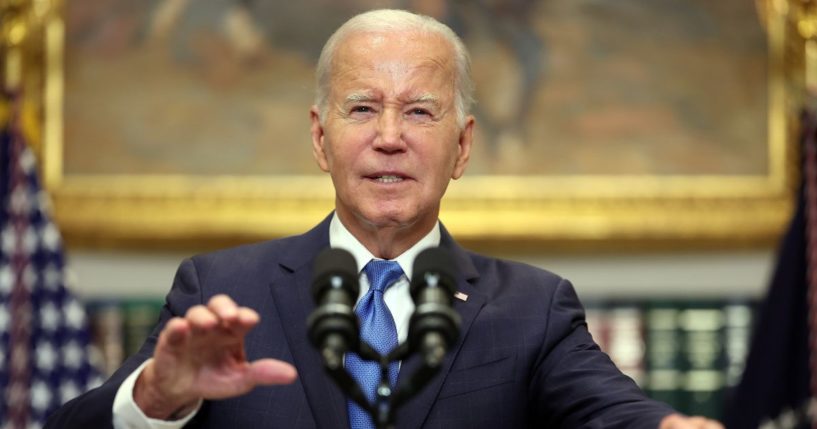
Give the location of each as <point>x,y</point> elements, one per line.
<point>382,274</point>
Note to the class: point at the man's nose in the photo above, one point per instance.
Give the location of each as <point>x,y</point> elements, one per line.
<point>390,132</point>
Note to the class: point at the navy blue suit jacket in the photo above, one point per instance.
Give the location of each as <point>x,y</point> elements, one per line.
<point>524,357</point>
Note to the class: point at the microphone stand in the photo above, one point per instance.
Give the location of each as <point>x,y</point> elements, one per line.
<point>387,400</point>
<point>433,327</point>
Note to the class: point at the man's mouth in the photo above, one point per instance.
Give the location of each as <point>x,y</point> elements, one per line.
<point>387,177</point>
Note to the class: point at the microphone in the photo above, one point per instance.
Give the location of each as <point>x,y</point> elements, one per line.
<point>333,325</point>
<point>434,326</point>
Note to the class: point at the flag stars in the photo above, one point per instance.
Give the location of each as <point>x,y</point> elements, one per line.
<point>95,381</point>
<point>27,162</point>
<point>51,277</point>
<point>48,353</point>
<point>40,396</point>
<point>45,204</point>
<point>8,240</point>
<point>72,355</point>
<point>68,391</point>
<point>46,356</point>
<point>74,315</point>
<point>49,317</point>
<point>50,237</point>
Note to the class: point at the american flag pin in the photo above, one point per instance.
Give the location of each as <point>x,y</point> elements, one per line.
<point>461,296</point>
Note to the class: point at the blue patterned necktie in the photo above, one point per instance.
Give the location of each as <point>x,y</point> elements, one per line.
<point>376,328</point>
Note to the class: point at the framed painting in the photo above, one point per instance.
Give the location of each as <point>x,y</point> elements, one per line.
<point>635,121</point>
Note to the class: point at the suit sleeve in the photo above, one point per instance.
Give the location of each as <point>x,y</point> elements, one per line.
<point>94,409</point>
<point>576,384</point>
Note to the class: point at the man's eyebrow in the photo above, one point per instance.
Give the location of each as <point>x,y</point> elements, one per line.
<point>358,97</point>
<point>424,99</point>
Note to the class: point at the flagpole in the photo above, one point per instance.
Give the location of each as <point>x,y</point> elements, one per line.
<point>13,33</point>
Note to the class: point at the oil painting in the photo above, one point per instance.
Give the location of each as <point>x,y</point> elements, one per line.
<point>634,121</point>
<point>564,87</point>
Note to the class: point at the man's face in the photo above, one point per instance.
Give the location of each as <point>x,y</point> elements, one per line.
<point>390,138</point>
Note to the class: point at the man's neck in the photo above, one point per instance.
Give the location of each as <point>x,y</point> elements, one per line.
<point>387,242</point>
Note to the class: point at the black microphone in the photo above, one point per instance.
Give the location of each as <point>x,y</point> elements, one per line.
<point>434,326</point>
<point>333,325</point>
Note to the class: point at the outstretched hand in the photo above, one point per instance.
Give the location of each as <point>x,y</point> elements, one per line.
<point>678,421</point>
<point>201,356</point>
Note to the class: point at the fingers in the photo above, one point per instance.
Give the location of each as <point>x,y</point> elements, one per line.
<point>231,315</point>
<point>222,312</point>
<point>176,331</point>
<point>223,307</point>
<point>704,423</point>
<point>272,371</point>
<point>174,336</point>
<point>677,421</point>
<point>201,318</point>
<point>221,317</point>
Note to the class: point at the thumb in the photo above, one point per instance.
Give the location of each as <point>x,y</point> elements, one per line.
<point>272,371</point>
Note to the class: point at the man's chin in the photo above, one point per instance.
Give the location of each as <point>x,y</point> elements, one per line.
<point>394,217</point>
<point>388,220</point>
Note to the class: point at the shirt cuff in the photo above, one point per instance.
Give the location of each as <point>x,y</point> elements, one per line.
<point>128,415</point>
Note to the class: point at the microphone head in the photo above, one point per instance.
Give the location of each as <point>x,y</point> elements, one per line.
<point>435,261</point>
<point>331,263</point>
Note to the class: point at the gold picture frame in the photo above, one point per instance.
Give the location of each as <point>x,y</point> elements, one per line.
<point>489,210</point>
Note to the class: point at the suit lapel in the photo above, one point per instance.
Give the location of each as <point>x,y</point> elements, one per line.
<point>414,412</point>
<point>291,295</point>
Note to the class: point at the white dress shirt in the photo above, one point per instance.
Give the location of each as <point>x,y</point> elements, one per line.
<point>127,415</point>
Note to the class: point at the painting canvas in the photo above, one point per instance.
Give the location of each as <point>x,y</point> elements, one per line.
<point>627,121</point>
<point>564,87</point>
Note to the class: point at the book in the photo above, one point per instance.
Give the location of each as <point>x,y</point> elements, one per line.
<point>703,358</point>
<point>662,335</point>
<point>140,317</point>
<point>107,324</point>
<point>625,343</point>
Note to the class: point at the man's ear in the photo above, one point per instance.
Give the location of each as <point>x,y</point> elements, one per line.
<point>464,147</point>
<point>318,151</point>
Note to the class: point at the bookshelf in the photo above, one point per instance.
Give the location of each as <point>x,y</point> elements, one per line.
<point>684,352</point>
<point>677,323</point>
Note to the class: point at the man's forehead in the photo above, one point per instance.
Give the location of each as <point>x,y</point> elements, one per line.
<point>404,67</point>
<point>387,50</point>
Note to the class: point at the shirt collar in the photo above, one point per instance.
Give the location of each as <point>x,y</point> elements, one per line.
<point>340,237</point>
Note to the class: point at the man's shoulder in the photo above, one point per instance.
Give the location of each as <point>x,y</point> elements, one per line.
<point>511,270</point>
<point>520,289</point>
<point>266,248</point>
<point>295,247</point>
<point>260,256</point>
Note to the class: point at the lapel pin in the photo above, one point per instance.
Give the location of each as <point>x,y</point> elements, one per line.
<point>461,296</point>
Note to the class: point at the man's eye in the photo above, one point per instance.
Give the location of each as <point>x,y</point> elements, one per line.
<point>361,109</point>
<point>419,111</point>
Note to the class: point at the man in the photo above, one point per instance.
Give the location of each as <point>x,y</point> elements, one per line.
<point>391,127</point>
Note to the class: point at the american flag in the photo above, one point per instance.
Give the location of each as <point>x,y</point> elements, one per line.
<point>44,335</point>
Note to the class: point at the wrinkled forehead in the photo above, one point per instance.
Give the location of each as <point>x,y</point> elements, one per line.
<point>392,53</point>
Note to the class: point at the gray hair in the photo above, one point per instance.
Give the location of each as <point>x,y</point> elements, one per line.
<point>392,20</point>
